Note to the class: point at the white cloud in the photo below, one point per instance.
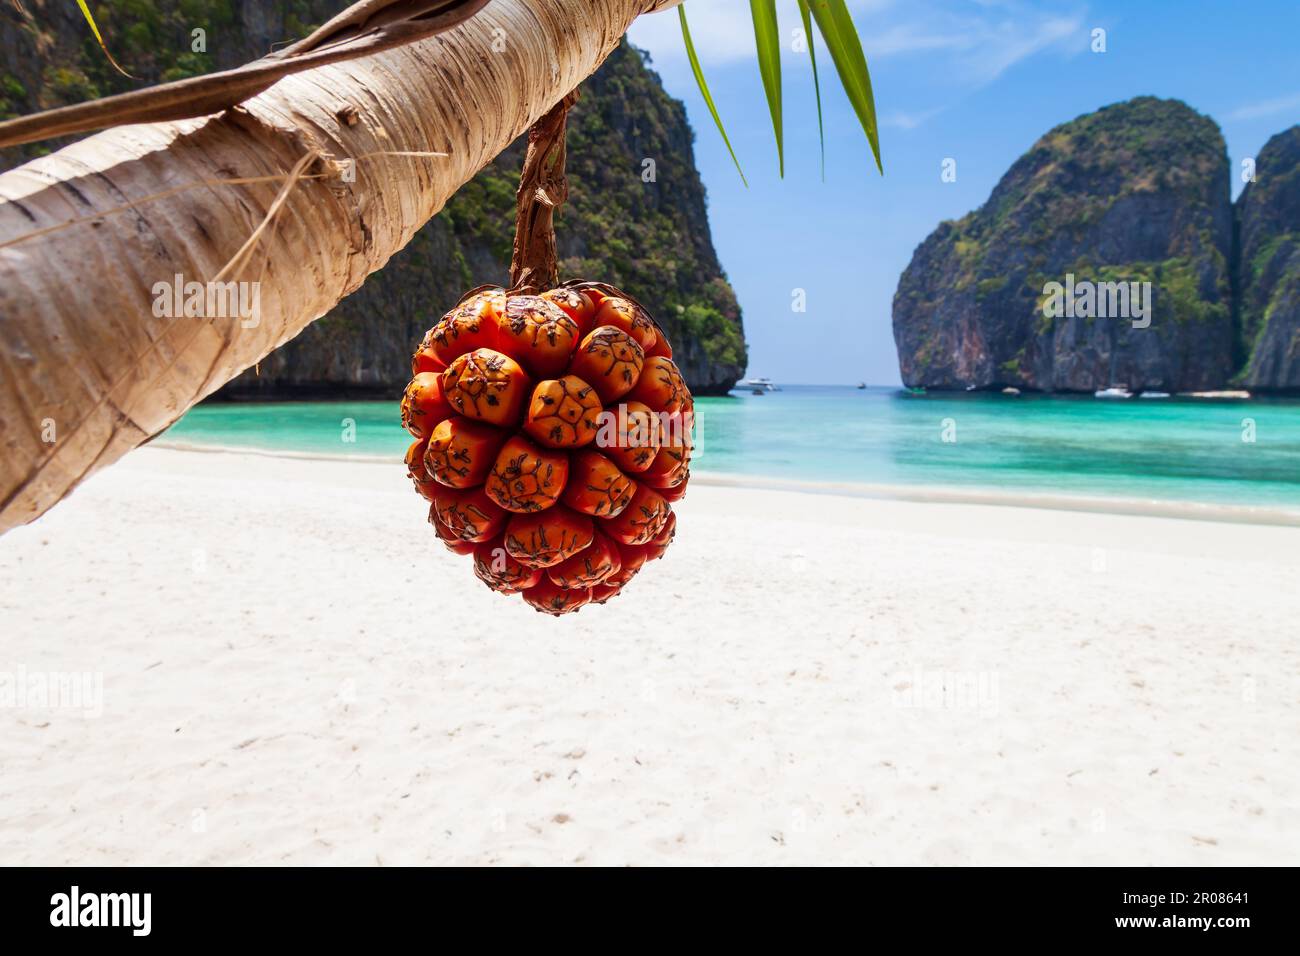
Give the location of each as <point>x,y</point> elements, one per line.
<point>900,119</point>
<point>1011,42</point>
<point>723,31</point>
<point>977,42</point>
<point>967,43</point>
<point>1266,108</point>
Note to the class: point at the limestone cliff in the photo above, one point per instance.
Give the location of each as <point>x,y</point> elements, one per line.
<point>1269,230</point>
<point>1135,192</point>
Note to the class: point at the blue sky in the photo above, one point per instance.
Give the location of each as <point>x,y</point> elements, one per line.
<point>974,80</point>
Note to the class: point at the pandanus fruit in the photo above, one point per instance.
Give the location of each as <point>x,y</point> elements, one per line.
<point>551,433</point>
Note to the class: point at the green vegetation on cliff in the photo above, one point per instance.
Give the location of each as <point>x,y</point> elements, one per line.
<point>1269,278</point>
<point>1135,192</point>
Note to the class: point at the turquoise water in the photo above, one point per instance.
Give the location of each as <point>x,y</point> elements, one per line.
<point>1170,449</point>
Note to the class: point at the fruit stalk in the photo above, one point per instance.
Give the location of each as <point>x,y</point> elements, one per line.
<point>534,265</point>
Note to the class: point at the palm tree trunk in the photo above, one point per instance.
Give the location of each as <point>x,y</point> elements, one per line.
<point>89,235</point>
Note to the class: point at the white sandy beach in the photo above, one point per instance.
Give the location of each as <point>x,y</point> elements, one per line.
<point>294,670</point>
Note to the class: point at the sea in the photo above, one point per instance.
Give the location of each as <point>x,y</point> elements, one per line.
<point>1243,453</point>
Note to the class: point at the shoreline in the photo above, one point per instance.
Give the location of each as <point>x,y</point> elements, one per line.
<point>924,494</point>
<point>331,393</point>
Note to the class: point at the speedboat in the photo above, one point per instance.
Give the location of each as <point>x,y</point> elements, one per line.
<point>1229,393</point>
<point>1115,391</point>
<point>758,386</point>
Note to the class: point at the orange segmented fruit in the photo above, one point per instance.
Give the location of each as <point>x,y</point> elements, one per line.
<point>424,359</point>
<point>448,537</point>
<point>678,428</point>
<point>468,513</point>
<point>527,478</point>
<point>668,532</point>
<point>427,489</point>
<point>677,492</point>
<point>671,467</point>
<point>661,385</point>
<point>634,557</point>
<point>461,452</point>
<point>415,459</point>
<point>515,405</point>
<point>597,292</point>
<point>498,570</point>
<point>487,386</point>
<point>641,520</point>
<point>661,348</point>
<point>539,333</point>
<point>472,324</point>
<point>425,486</point>
<point>596,487</point>
<point>631,318</point>
<point>672,463</point>
<point>610,360</point>
<point>601,593</point>
<point>563,412</point>
<point>541,539</point>
<point>552,599</point>
<point>590,566</point>
<point>660,542</point>
<point>576,305</point>
<point>423,405</point>
<point>636,436</point>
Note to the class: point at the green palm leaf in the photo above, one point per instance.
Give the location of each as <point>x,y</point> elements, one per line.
<point>841,38</point>
<point>767,37</point>
<point>846,53</point>
<point>704,89</point>
<point>817,88</point>
<point>95,30</point>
